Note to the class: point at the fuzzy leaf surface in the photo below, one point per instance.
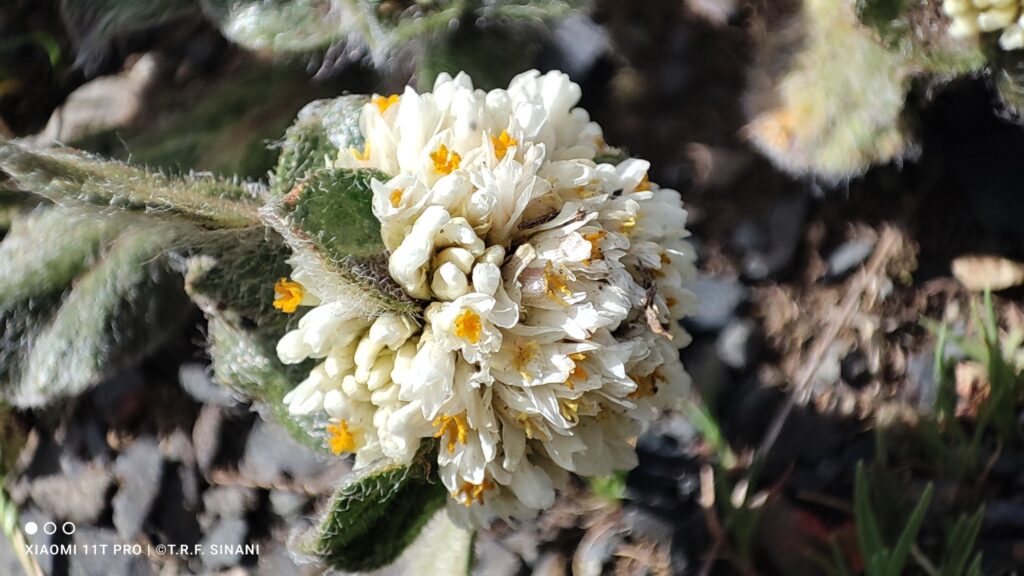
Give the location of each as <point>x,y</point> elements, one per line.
<point>322,129</point>
<point>77,179</point>
<point>116,312</point>
<point>376,515</point>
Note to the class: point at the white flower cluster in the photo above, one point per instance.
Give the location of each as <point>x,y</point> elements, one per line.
<point>972,17</point>
<point>552,286</point>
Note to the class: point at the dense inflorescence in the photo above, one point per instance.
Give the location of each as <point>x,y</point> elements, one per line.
<point>552,286</point>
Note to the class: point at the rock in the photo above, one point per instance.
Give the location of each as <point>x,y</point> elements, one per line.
<point>718,300</point>
<point>103,104</point>
<point>175,513</point>
<point>779,235</point>
<point>646,526</point>
<point>206,436</point>
<point>228,535</point>
<point>271,455</point>
<point>980,273</point>
<point>1003,516</point>
<point>847,256</point>
<point>579,43</point>
<point>524,542</point>
<point>33,515</point>
<point>87,437</point>
<point>665,476</point>
<point>230,501</point>
<point>195,379</point>
<point>738,344</point>
<point>9,563</point>
<point>121,399</point>
<point>82,564</point>
<point>276,559</point>
<point>80,497</point>
<point>286,503</point>
<point>552,564</point>
<point>596,549</point>
<point>491,558</point>
<point>139,470</point>
<point>710,376</point>
<point>854,369</point>
<point>718,12</point>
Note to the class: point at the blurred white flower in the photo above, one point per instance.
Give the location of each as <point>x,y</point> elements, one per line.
<point>973,17</point>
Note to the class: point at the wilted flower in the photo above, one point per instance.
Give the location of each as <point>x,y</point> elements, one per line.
<point>551,284</point>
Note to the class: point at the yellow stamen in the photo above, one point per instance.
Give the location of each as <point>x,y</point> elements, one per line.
<point>595,245</point>
<point>363,156</point>
<point>288,295</point>
<point>502,143</point>
<point>570,410</point>
<point>666,259</point>
<point>577,372</point>
<point>644,184</point>
<point>526,423</point>
<point>646,386</point>
<point>455,427</point>
<point>468,326</point>
<point>524,355</point>
<point>342,439</point>
<point>671,302</point>
<point>628,224</point>
<point>384,102</point>
<point>471,493</point>
<point>557,287</point>
<point>396,197</point>
<point>445,161</point>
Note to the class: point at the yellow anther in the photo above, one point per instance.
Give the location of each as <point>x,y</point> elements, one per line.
<point>644,184</point>
<point>288,295</point>
<point>557,287</point>
<point>342,439</point>
<point>384,102</point>
<point>363,156</point>
<point>595,245</point>
<point>445,161</point>
<point>471,493</point>
<point>569,409</point>
<point>455,427</point>
<point>468,326</point>
<point>646,386</point>
<point>396,197</point>
<point>502,143</point>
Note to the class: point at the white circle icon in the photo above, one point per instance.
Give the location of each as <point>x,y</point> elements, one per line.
<point>68,528</point>
<point>31,528</point>
<point>50,528</point>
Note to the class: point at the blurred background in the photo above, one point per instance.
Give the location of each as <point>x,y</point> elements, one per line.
<point>850,204</point>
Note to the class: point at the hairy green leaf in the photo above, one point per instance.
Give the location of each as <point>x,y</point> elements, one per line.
<point>333,207</point>
<point>235,293</point>
<point>116,312</point>
<point>280,26</point>
<point>482,52</point>
<point>813,116</point>
<point>328,222</point>
<point>322,129</point>
<point>376,515</point>
<point>47,249</point>
<point>73,178</point>
<point>225,128</point>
